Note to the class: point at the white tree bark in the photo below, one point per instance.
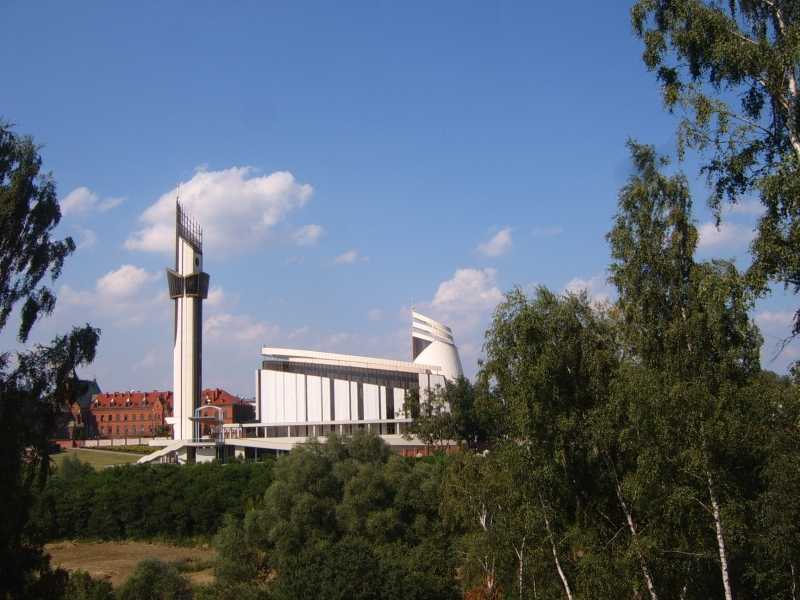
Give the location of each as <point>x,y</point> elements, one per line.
<point>488,564</point>
<point>723,559</point>
<point>561,574</point>
<point>790,104</point>
<point>632,527</point>
<point>520,559</point>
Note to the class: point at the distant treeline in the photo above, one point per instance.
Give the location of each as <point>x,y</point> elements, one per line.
<point>140,501</point>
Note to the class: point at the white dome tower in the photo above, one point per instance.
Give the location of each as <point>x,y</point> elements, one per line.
<point>432,344</point>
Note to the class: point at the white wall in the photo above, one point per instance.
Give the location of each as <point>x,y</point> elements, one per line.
<point>314,399</point>
<point>296,398</point>
<point>341,406</point>
<point>372,409</point>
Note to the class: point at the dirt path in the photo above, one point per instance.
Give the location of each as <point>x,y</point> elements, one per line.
<point>115,561</point>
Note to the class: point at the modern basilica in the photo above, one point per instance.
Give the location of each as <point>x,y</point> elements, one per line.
<point>300,394</point>
<point>303,393</point>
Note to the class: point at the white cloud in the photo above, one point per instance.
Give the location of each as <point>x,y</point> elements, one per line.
<point>465,303</point>
<point>499,244</point>
<point>239,328</point>
<point>124,282</point>
<point>598,288</point>
<point>218,297</point>
<point>746,207</point>
<point>82,200</point>
<point>109,203</point>
<point>86,238</point>
<point>727,235</point>
<point>375,314</point>
<point>551,231</point>
<point>126,295</point>
<point>235,208</point>
<point>348,258</point>
<point>468,289</point>
<point>308,235</point>
<point>778,318</point>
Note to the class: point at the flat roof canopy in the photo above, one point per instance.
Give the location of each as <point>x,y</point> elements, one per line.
<point>344,360</point>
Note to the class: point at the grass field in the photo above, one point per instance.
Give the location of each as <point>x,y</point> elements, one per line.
<point>99,459</point>
<point>115,561</point>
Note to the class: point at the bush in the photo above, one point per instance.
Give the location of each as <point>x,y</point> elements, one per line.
<point>155,580</point>
<point>81,586</point>
<point>145,501</point>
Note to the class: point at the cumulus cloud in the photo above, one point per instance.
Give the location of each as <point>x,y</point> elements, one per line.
<point>498,244</point>
<point>598,288</point>
<point>551,231</point>
<point>746,207</point>
<point>468,289</point>
<point>235,207</point>
<point>82,200</point>
<point>308,235</point>
<point>348,258</point>
<point>770,318</point>
<point>727,235</point>
<point>465,303</point>
<point>239,328</point>
<point>218,297</point>
<point>124,282</point>
<point>86,238</point>
<point>127,295</point>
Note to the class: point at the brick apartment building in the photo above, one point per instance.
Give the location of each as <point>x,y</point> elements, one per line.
<point>144,414</point>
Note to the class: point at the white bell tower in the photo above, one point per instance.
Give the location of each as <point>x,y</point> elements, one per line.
<point>188,287</point>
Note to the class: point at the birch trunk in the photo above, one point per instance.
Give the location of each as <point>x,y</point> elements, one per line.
<point>790,105</point>
<point>723,559</point>
<point>632,527</point>
<point>561,574</point>
<point>519,552</point>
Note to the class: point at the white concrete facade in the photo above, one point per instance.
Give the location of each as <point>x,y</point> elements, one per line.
<point>310,393</point>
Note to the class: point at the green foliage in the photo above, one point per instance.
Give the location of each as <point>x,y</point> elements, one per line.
<point>461,412</point>
<point>81,586</point>
<point>38,384</point>
<point>145,501</point>
<point>343,520</point>
<point>707,54</point>
<point>29,211</point>
<point>155,580</point>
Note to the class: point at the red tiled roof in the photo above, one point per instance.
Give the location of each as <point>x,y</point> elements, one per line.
<point>136,399</point>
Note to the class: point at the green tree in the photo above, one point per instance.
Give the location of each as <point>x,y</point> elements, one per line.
<point>155,580</point>
<point>692,346</point>
<point>433,422</point>
<point>550,360</point>
<point>343,519</point>
<point>81,586</point>
<point>37,384</point>
<point>709,54</point>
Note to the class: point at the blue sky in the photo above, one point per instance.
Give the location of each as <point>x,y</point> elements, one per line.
<point>349,160</point>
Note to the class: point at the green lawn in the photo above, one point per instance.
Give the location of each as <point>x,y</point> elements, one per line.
<point>99,459</point>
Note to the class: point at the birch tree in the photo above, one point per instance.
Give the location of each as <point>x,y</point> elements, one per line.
<point>688,324</point>
<point>730,70</point>
<point>38,383</point>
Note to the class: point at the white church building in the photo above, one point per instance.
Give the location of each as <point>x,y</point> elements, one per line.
<point>300,394</point>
